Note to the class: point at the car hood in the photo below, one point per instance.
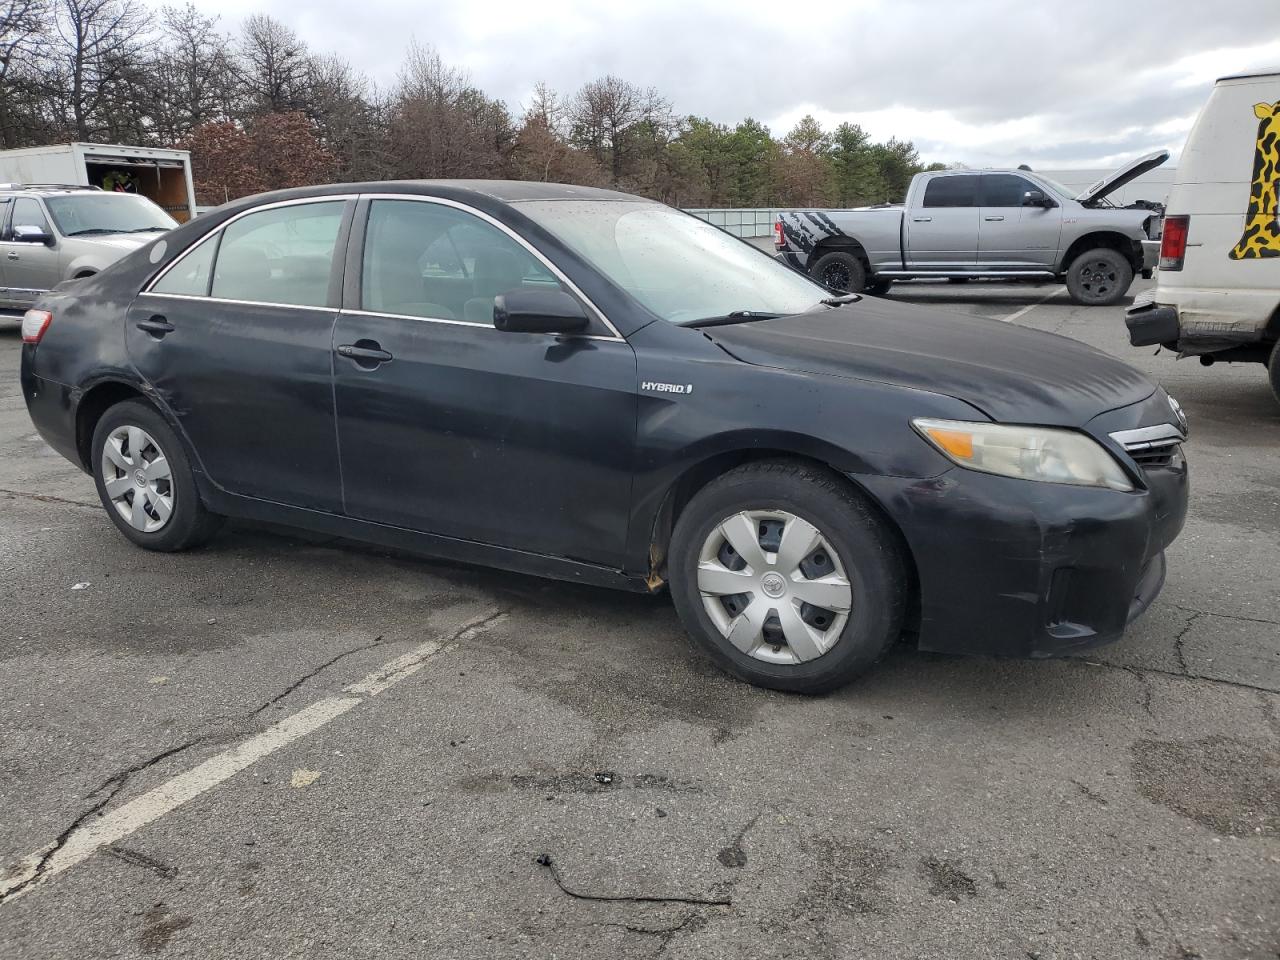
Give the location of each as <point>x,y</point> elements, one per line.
<point>126,242</point>
<point>1010,373</point>
<point>1118,178</point>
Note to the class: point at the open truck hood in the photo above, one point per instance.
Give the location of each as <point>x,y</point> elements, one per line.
<point>1010,373</point>
<point>1118,178</point>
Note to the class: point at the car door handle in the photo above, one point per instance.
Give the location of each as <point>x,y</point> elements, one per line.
<point>922,219</point>
<point>157,326</point>
<point>992,219</point>
<point>365,352</point>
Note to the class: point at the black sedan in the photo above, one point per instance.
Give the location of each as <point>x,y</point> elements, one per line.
<point>582,384</point>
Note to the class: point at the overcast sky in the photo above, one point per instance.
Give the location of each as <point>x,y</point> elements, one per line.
<point>983,82</point>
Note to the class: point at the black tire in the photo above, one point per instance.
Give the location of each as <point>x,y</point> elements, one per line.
<point>840,271</point>
<point>865,545</point>
<point>958,279</point>
<point>878,288</point>
<point>1273,370</point>
<point>1099,277</point>
<point>189,524</point>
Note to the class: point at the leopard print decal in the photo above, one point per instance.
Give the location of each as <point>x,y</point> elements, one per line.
<point>1261,227</point>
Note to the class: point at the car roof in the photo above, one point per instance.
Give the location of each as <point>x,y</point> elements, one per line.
<point>503,191</point>
<point>43,189</point>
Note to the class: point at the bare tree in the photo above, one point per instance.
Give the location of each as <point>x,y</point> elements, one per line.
<point>23,28</point>
<point>273,65</point>
<point>347,114</point>
<point>610,117</point>
<point>190,77</point>
<point>98,44</point>
<point>442,126</point>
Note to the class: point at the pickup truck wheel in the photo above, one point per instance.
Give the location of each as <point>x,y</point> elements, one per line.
<point>787,578</point>
<point>840,271</point>
<point>957,279</point>
<point>1273,370</point>
<point>1099,278</point>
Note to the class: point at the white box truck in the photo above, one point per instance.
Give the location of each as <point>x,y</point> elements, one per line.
<point>162,176</point>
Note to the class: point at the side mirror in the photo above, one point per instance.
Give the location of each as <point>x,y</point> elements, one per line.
<point>26,233</point>
<point>538,311</point>
<point>1036,198</point>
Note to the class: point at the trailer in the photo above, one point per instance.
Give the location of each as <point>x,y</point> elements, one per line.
<point>162,176</point>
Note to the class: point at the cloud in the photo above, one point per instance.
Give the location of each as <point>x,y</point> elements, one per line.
<point>983,82</point>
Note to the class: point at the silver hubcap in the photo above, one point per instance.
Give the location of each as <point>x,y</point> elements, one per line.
<point>135,474</point>
<point>773,586</point>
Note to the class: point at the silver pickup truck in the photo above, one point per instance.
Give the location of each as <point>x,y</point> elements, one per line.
<point>1000,224</point>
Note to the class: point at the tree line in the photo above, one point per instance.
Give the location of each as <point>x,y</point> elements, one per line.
<point>260,110</point>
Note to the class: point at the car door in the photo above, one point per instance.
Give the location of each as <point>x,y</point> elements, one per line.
<point>31,267</point>
<point>449,426</point>
<point>1013,234</point>
<point>942,232</point>
<point>235,336</point>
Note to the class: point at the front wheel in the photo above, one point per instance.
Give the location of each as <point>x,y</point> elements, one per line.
<point>145,481</point>
<point>840,271</point>
<point>787,578</point>
<point>1099,278</point>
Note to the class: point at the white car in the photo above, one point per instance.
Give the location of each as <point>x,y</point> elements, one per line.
<point>1217,294</point>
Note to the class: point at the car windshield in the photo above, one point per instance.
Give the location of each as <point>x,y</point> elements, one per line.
<point>677,266</point>
<point>78,214</point>
<point>1065,192</point>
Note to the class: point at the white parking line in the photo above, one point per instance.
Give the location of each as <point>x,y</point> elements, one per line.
<point>101,831</point>
<point>1030,306</point>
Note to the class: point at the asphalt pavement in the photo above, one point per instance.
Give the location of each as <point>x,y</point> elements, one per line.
<point>286,746</point>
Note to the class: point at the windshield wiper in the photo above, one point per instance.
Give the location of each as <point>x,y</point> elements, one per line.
<point>737,316</point>
<point>144,229</point>
<point>90,230</point>
<point>840,301</point>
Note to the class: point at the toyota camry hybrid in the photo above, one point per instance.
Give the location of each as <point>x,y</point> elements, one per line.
<point>587,385</point>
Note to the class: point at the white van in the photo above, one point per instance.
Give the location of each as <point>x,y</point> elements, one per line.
<point>1217,293</point>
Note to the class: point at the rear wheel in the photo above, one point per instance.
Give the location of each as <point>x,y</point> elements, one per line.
<point>841,271</point>
<point>1099,278</point>
<point>1273,370</point>
<point>145,481</point>
<point>787,578</point>
<point>957,279</point>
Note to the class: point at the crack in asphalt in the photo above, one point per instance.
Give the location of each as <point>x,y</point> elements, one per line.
<point>324,666</point>
<point>1239,684</point>
<point>117,781</point>
<point>45,498</point>
<point>1181,636</point>
<point>1147,692</point>
<point>1224,616</point>
<point>544,860</point>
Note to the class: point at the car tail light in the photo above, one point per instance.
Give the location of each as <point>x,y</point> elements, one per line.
<point>779,236</point>
<point>1173,242</point>
<point>34,324</point>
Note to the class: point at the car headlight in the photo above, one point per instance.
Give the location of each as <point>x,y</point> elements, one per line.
<point>1029,453</point>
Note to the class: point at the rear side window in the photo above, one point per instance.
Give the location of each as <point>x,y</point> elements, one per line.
<point>189,276</point>
<point>1004,190</point>
<point>283,255</point>
<point>430,260</point>
<point>957,191</point>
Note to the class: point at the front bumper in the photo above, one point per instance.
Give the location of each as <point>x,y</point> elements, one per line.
<point>1026,569</point>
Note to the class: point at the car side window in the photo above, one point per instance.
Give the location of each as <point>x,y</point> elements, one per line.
<point>27,213</point>
<point>1004,189</point>
<point>189,276</point>
<point>952,191</point>
<point>426,259</point>
<point>281,255</point>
